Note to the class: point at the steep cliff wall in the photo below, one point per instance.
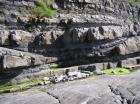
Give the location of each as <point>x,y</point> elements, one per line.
<point>83,32</point>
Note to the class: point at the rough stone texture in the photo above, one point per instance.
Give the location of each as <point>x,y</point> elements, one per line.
<point>105,89</point>
<point>131,45</point>
<point>3,37</point>
<point>82,33</point>
<point>32,98</point>
<point>14,59</point>
<point>16,39</point>
<point>105,33</point>
<point>93,34</point>
<point>26,74</point>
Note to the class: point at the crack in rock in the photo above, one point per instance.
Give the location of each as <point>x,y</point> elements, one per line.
<point>126,97</point>
<point>54,96</point>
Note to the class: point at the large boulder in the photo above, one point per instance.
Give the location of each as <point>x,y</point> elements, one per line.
<point>48,37</point>
<point>83,35</point>
<point>4,37</point>
<point>131,45</point>
<point>14,59</point>
<point>14,38</point>
<point>20,37</point>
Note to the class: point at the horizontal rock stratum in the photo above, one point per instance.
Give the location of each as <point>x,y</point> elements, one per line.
<point>104,33</point>
<point>83,32</point>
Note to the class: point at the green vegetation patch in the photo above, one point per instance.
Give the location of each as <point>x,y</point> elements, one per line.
<point>56,68</point>
<point>117,71</point>
<point>53,65</point>
<point>43,8</point>
<point>4,87</point>
<point>135,2</point>
<point>23,85</point>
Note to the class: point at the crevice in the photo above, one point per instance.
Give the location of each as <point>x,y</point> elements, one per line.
<point>54,96</point>
<point>112,91</point>
<point>116,92</point>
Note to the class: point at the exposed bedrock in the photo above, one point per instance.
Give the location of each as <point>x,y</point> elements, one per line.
<point>93,34</point>
<point>74,43</point>
<point>15,38</point>
<point>83,32</point>
<point>13,59</point>
<point>104,33</point>
<point>131,45</point>
<point>105,89</point>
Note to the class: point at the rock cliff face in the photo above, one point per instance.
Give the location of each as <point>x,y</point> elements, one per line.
<point>83,32</point>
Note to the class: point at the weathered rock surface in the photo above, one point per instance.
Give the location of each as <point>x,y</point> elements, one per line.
<point>14,59</point>
<point>16,39</point>
<point>105,89</point>
<point>38,98</point>
<point>101,32</point>
<point>104,33</point>
<point>131,45</point>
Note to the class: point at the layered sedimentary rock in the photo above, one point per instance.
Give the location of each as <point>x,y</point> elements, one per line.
<point>14,59</point>
<point>104,33</point>
<point>83,32</point>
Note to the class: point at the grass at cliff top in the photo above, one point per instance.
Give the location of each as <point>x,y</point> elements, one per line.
<point>117,71</point>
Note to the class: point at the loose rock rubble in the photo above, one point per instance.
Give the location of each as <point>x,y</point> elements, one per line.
<point>70,76</point>
<point>100,90</point>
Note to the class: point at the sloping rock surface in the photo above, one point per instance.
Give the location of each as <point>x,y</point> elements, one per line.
<point>104,89</point>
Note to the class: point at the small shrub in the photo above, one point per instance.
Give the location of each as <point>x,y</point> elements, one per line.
<point>43,8</point>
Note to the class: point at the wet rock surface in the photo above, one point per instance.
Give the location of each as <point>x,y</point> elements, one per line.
<point>104,89</point>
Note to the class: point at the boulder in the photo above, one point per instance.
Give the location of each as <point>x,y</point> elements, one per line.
<point>131,45</point>
<point>89,35</point>
<point>54,6</point>
<point>4,37</point>
<point>22,38</point>
<point>136,99</point>
<point>14,62</point>
<point>14,38</point>
<point>14,59</point>
<point>98,71</point>
<point>47,38</point>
